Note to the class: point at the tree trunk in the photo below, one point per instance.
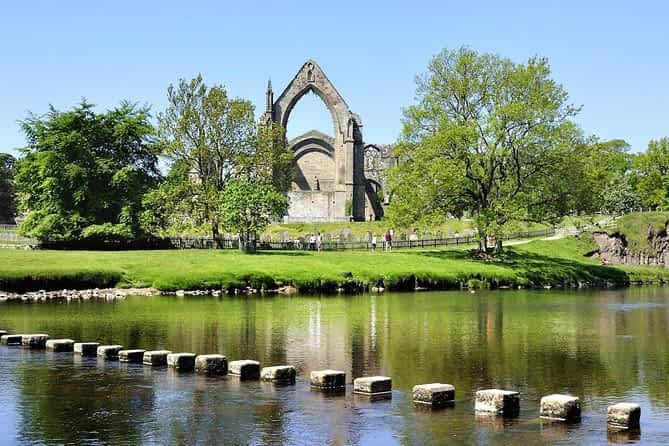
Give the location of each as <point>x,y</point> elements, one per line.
<point>498,246</point>
<point>483,244</point>
<point>247,244</point>
<point>215,234</point>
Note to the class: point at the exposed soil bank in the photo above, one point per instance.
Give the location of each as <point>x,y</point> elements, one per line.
<point>614,248</point>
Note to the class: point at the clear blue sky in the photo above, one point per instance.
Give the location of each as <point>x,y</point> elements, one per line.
<point>612,56</point>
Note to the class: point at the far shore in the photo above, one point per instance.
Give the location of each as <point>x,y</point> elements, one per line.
<point>537,264</point>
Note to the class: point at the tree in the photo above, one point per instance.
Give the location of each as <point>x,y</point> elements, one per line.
<point>602,165</point>
<point>7,188</point>
<point>84,173</point>
<point>620,196</point>
<point>653,171</point>
<point>247,206</point>
<point>218,137</point>
<point>487,137</point>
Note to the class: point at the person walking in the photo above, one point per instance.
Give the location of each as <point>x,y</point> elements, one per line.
<point>390,239</point>
<point>373,242</point>
<point>319,242</point>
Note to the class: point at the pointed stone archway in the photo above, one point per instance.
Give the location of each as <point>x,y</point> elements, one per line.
<point>347,196</point>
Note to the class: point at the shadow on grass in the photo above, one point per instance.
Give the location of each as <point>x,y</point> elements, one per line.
<point>281,253</point>
<point>541,268</point>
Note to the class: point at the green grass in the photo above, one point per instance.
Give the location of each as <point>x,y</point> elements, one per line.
<point>555,262</point>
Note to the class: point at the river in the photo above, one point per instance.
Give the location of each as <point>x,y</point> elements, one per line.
<point>603,346</point>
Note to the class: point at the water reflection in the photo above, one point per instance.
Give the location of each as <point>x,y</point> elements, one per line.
<point>605,346</point>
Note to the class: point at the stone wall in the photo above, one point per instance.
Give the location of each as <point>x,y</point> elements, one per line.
<point>311,206</point>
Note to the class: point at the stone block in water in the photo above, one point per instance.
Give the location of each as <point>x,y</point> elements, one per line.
<point>11,339</point>
<point>109,351</point>
<point>560,407</point>
<point>34,340</point>
<point>86,348</point>
<point>211,364</point>
<point>134,355</point>
<point>624,415</point>
<point>60,345</point>
<point>435,394</point>
<point>182,362</point>
<point>156,358</point>
<point>328,379</point>
<point>502,402</point>
<point>280,374</point>
<point>372,385</point>
<point>245,369</point>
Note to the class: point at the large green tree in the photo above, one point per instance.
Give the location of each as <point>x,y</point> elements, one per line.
<point>84,173</point>
<point>219,139</point>
<point>487,137</point>
<point>7,188</point>
<point>247,206</point>
<point>653,170</point>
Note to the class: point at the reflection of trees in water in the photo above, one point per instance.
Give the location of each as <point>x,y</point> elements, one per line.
<point>57,404</point>
<point>544,343</point>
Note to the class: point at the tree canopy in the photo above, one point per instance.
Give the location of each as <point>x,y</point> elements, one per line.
<point>219,139</point>
<point>7,188</point>
<point>487,137</point>
<point>653,171</point>
<point>247,206</point>
<point>84,173</point>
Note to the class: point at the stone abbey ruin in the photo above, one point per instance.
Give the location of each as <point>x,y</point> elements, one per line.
<point>339,176</point>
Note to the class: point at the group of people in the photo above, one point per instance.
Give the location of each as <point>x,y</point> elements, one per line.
<point>387,240</point>
<point>316,242</point>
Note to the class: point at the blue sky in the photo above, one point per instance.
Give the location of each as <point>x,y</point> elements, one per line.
<point>611,56</point>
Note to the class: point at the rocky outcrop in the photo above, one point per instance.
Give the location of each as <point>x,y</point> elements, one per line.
<point>614,248</point>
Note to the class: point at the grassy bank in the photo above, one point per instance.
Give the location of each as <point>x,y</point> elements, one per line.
<point>558,262</point>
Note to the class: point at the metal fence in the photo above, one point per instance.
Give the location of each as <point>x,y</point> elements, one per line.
<point>302,244</point>
<point>9,237</point>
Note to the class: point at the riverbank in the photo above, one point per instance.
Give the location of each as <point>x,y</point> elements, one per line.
<point>546,263</point>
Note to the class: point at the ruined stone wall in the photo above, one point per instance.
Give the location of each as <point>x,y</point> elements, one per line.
<point>311,206</point>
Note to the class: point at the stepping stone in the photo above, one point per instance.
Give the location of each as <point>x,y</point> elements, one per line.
<point>109,351</point>
<point>245,369</point>
<point>156,358</point>
<point>10,339</point>
<point>181,362</point>
<point>279,374</point>
<point>34,340</point>
<point>211,364</point>
<point>624,415</point>
<point>435,394</point>
<point>328,379</point>
<point>373,385</point>
<point>560,408</point>
<point>502,402</point>
<point>86,348</point>
<point>134,355</point>
<point>60,345</point>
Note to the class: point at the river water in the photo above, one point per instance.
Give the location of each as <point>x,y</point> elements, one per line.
<point>603,346</point>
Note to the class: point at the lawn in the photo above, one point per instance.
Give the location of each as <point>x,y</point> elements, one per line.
<point>558,262</point>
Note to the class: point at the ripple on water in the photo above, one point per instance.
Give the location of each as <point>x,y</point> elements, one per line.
<point>635,306</point>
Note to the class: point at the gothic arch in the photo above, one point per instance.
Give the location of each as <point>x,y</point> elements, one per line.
<point>337,162</point>
<point>311,78</point>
